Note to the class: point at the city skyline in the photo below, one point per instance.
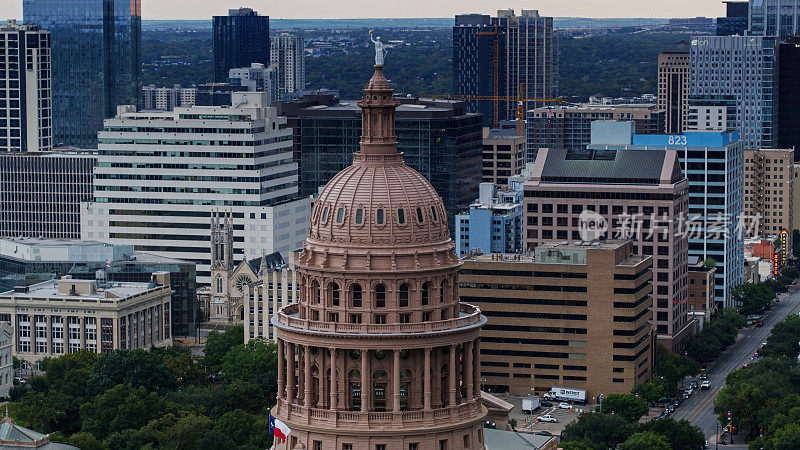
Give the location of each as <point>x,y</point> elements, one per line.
<point>349,9</point>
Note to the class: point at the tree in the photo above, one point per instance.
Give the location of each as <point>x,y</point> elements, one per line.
<point>652,391</point>
<point>236,424</point>
<point>646,439</point>
<point>136,367</point>
<point>628,406</point>
<point>680,434</point>
<point>85,441</point>
<point>256,362</point>
<point>217,346</point>
<point>784,339</point>
<point>709,263</point>
<point>752,297</point>
<point>43,412</point>
<point>790,272</point>
<point>120,408</point>
<point>796,243</point>
<point>787,437</point>
<point>600,430</point>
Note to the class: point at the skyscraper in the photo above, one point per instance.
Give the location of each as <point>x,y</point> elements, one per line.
<point>787,61</point>
<point>26,122</point>
<point>240,39</point>
<point>742,67</point>
<point>96,61</point>
<point>673,85</point>
<point>735,20</point>
<point>498,56</point>
<point>160,176</point>
<point>778,18</point>
<point>286,51</point>
<point>378,352</point>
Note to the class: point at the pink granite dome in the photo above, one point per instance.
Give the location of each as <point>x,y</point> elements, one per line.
<point>377,203</point>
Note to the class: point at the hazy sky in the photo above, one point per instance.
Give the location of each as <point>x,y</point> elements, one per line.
<point>332,9</point>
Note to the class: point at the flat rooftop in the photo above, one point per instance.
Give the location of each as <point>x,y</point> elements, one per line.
<point>564,252</point>
<point>112,291</point>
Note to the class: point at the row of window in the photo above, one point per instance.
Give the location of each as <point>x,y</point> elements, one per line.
<point>380,215</point>
<point>356,295</point>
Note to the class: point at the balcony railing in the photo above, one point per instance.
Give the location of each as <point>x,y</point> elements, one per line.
<point>289,316</point>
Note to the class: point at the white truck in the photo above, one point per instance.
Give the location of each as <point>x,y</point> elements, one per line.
<point>531,403</point>
<point>568,394</point>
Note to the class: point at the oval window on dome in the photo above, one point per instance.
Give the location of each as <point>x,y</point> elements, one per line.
<point>340,215</point>
<point>325,214</point>
<point>379,217</point>
<point>359,216</point>
<point>433,213</point>
<point>420,219</point>
<point>401,216</point>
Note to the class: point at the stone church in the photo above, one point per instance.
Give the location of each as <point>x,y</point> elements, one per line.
<point>223,302</point>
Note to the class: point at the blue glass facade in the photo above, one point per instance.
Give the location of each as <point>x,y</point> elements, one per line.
<point>240,39</point>
<point>96,61</point>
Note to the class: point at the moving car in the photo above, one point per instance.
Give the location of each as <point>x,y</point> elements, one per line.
<point>705,385</point>
<point>693,385</point>
<point>760,323</point>
<point>563,405</point>
<point>703,376</point>
<point>548,418</point>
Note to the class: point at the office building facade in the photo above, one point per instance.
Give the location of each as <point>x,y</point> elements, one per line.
<point>63,316</point>
<point>166,98</point>
<point>674,73</point>
<point>287,54</point>
<point>571,315</point>
<point>492,224</point>
<point>438,138</point>
<point>274,288</point>
<point>503,156</point>
<point>257,78</point>
<point>160,176</point>
<point>41,193</point>
<point>570,127</point>
<point>498,56</point>
<point>631,194</point>
<point>735,21</point>
<point>769,190</point>
<point>788,94</point>
<point>26,124</point>
<point>713,162</point>
<point>96,62</point>
<point>240,39</point>
<point>29,261</point>
<point>742,67</point>
<point>778,18</point>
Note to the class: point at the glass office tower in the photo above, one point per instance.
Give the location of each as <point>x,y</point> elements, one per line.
<point>240,39</point>
<point>96,61</point>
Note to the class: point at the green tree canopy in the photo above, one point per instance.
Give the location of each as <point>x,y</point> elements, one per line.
<point>217,346</point>
<point>645,440</point>
<point>628,406</point>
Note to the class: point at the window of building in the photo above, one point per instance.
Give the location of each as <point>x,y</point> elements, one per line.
<point>355,296</point>
<point>403,297</point>
<point>433,213</point>
<point>426,293</point>
<point>359,216</point>
<point>380,296</point>
<point>443,444</point>
<point>317,445</point>
<point>401,216</point>
<point>420,218</point>
<point>315,293</point>
<point>340,215</point>
<point>379,216</point>
<point>333,291</point>
<point>324,214</point>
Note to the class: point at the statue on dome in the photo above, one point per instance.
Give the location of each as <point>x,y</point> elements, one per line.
<point>380,50</point>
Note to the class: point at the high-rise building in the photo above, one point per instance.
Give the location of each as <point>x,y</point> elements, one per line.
<point>95,48</point>
<point>711,113</point>
<point>26,124</point>
<point>777,18</point>
<point>742,67</point>
<point>788,94</point>
<point>63,316</point>
<point>769,190</point>
<point>165,98</point>
<point>438,138</point>
<point>287,52</point>
<point>274,288</point>
<point>674,74</point>
<point>570,315</point>
<point>492,224</point>
<point>735,21</point>
<point>257,78</point>
<point>41,193</point>
<point>379,352</point>
<point>240,39</point>
<point>570,127</point>
<point>28,261</point>
<point>503,156</point>
<point>160,176</point>
<point>498,56</point>
<point>713,162</point>
<point>633,194</point>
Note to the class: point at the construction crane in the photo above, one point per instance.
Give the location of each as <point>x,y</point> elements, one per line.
<point>496,99</point>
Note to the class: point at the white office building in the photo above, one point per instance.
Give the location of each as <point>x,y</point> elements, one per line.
<point>259,78</point>
<point>25,93</point>
<point>166,98</point>
<point>286,51</point>
<point>161,175</point>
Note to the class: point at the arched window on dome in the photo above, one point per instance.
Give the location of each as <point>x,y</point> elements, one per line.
<point>315,294</point>
<point>426,294</point>
<point>401,216</point>
<point>420,217</point>
<point>355,296</point>
<point>359,216</point>
<point>324,214</point>
<point>403,298</point>
<point>433,213</point>
<point>380,296</point>
<point>340,215</point>
<point>333,293</point>
<point>379,216</point>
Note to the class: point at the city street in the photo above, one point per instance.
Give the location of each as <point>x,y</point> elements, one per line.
<point>699,409</point>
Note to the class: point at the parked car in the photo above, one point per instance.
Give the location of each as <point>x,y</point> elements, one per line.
<point>548,418</point>
<point>705,385</point>
<point>546,403</point>
<point>563,405</point>
<point>760,323</point>
<point>544,433</point>
<point>693,385</point>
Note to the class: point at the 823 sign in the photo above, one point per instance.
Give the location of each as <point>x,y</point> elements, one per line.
<point>676,140</point>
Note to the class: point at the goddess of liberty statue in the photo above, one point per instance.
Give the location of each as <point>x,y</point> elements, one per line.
<point>380,50</point>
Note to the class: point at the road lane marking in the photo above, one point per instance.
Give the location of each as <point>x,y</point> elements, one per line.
<point>716,391</point>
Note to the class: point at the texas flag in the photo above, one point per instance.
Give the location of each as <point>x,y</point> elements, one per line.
<point>278,428</point>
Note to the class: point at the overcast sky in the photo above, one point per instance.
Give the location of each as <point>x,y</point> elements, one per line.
<point>334,9</point>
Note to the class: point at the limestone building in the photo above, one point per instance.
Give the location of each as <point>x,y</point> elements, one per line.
<point>378,352</point>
